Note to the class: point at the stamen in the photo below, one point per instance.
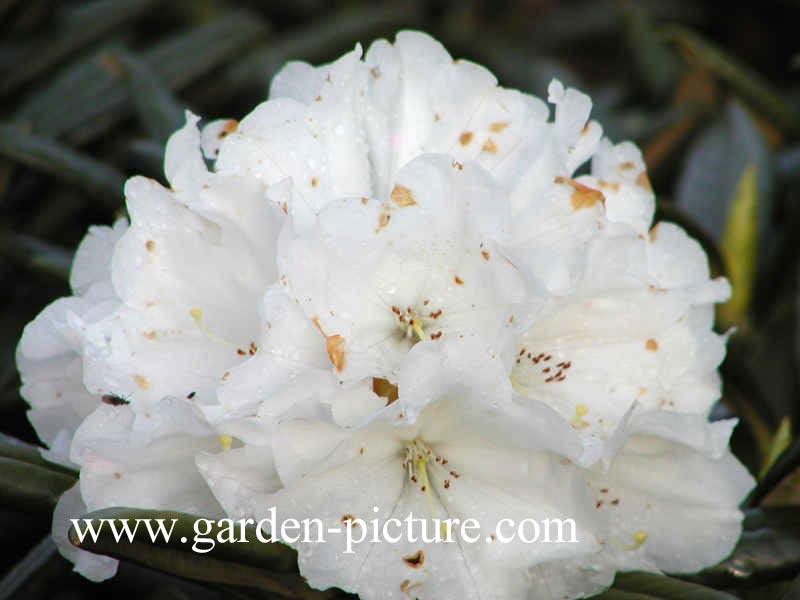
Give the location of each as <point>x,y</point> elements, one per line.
<point>225,442</point>
<point>417,329</point>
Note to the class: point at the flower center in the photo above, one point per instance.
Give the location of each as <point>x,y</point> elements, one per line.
<point>427,471</point>
<point>418,323</point>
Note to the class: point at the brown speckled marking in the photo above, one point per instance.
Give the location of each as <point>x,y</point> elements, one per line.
<point>497,127</point>
<point>651,345</point>
<point>141,382</point>
<point>465,138</point>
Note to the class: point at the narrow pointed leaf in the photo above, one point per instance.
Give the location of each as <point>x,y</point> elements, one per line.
<point>60,161</point>
<point>15,449</point>
<point>739,246</point>
<point>92,22</point>
<point>91,96</point>
<point>780,441</point>
<point>158,110</point>
<point>750,85</point>
<point>27,567</point>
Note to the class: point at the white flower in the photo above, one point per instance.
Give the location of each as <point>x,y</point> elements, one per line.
<point>393,291</point>
<point>161,309</point>
<point>455,445</point>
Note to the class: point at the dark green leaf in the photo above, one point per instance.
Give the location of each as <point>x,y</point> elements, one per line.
<point>768,550</point>
<point>650,586</point>
<point>750,85</point>
<point>94,21</point>
<point>320,39</point>
<point>46,155</point>
<point>788,461</point>
<point>11,447</point>
<point>31,488</point>
<point>35,254</point>
<point>27,567</point>
<point>158,110</point>
<point>91,96</point>
<point>657,64</point>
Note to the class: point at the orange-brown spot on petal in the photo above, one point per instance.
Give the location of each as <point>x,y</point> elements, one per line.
<point>226,375</point>
<point>375,72</point>
<point>402,196</point>
<point>314,182</point>
<point>150,335</point>
<point>497,127</point>
<point>489,146</point>
<point>230,126</point>
<point>349,520</point>
<point>416,560</point>
<point>457,165</point>
<point>458,280</point>
<point>334,344</point>
<point>364,200</point>
<point>582,196</point>
<point>653,232</point>
<point>485,255</point>
<point>406,586</point>
<point>643,181</point>
<point>141,382</point>
<point>150,245</point>
<point>383,220</point>
<point>117,475</point>
<point>385,389</point>
<point>608,185</point>
<point>627,165</point>
<point>465,138</point>
<point>651,345</point>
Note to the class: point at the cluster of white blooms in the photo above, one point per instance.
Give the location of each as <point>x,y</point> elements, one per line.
<point>393,290</point>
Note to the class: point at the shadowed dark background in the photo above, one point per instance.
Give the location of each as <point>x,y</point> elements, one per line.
<point>89,92</point>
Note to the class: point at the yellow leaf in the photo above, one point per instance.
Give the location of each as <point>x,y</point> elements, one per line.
<point>739,247</point>
<point>780,441</point>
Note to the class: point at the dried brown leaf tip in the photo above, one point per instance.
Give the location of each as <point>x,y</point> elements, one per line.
<point>582,195</point>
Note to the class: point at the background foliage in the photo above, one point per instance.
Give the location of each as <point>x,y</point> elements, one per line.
<point>89,92</point>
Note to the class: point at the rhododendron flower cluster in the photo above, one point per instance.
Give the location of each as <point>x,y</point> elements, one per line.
<point>398,288</point>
